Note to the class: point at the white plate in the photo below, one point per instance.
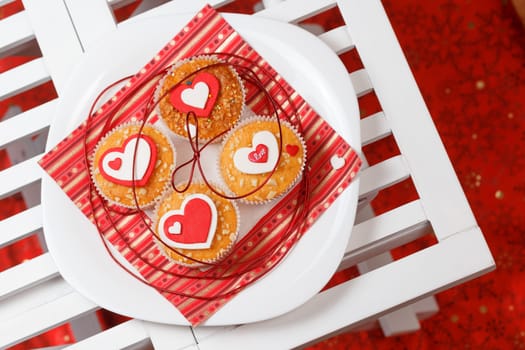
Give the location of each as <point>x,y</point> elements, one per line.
<point>310,67</point>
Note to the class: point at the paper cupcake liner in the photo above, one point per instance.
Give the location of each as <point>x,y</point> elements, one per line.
<point>292,183</point>
<point>101,142</point>
<point>160,84</point>
<point>164,248</point>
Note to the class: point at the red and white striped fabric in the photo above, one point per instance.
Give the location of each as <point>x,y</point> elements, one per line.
<point>199,294</point>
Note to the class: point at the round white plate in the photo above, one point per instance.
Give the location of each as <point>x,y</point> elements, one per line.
<point>310,67</point>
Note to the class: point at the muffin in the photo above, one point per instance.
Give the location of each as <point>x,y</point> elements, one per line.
<point>112,165</point>
<point>198,224</point>
<point>250,153</point>
<point>215,94</point>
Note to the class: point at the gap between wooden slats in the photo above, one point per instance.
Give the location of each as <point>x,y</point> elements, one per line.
<point>15,30</point>
<point>20,225</point>
<point>373,128</point>
<point>338,40</point>
<point>5,2</point>
<point>385,232</point>
<point>382,175</point>
<point>23,77</point>
<point>26,275</point>
<point>14,178</point>
<point>121,336</point>
<point>294,11</point>
<point>26,123</point>
<point>349,304</point>
<point>43,315</point>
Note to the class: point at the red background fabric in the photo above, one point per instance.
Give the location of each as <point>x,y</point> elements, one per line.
<point>468,58</point>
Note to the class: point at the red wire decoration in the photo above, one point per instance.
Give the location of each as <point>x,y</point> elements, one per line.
<point>229,266</point>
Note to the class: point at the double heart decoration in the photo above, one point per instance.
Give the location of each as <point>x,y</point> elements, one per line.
<point>192,226</point>
<point>198,95</point>
<point>116,164</point>
<point>262,156</point>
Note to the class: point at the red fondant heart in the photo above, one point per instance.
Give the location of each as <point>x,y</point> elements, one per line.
<point>197,95</point>
<point>192,226</point>
<point>260,155</point>
<point>116,163</point>
<point>292,149</point>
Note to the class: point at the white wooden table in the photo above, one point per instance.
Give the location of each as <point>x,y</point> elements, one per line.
<point>34,297</point>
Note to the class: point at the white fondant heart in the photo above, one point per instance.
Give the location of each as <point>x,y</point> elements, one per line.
<point>175,229</point>
<point>241,158</point>
<point>337,162</point>
<point>119,164</point>
<point>196,96</point>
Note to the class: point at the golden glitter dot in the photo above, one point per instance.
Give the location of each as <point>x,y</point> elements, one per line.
<point>339,190</point>
<point>454,318</point>
<point>157,58</point>
<point>510,115</point>
<point>186,29</point>
<point>499,194</point>
<point>207,49</point>
<point>511,307</point>
<point>448,91</point>
<point>326,205</point>
<point>480,84</point>
<point>143,70</point>
<point>128,84</point>
<point>483,309</point>
<point>220,36</point>
<point>67,338</point>
<point>172,42</point>
<point>474,136</point>
<point>199,15</point>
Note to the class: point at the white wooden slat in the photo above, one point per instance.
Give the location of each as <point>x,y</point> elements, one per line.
<point>411,123</point>
<point>30,298</point>
<point>121,336</point>
<point>15,30</point>
<point>366,297</point>
<point>26,275</point>
<point>26,123</point>
<point>178,7</point>
<point>166,337</point>
<point>361,82</point>
<point>382,175</point>
<point>373,128</point>
<point>384,232</point>
<point>338,40</point>
<point>425,308</point>
<point>82,15</point>
<point>23,77</point>
<point>20,225</point>
<point>43,317</point>
<point>296,10</point>
<point>56,38</point>
<point>19,175</point>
